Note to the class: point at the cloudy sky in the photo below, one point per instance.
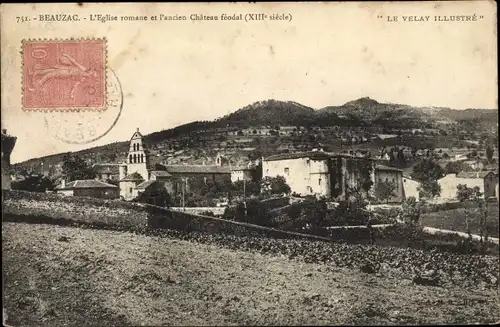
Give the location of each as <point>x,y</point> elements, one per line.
<point>177,72</point>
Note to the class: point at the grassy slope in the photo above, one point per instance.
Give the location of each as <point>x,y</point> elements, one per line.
<point>104,277</point>
<point>455,220</point>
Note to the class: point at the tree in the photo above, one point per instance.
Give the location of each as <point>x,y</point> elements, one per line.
<point>275,185</point>
<point>489,153</point>
<point>249,187</point>
<point>410,211</point>
<point>429,189</point>
<point>465,193</point>
<point>456,167</point>
<point>427,170</point>
<point>74,167</point>
<point>385,190</point>
<point>315,210</point>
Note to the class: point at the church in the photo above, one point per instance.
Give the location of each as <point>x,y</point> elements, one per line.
<point>136,178</point>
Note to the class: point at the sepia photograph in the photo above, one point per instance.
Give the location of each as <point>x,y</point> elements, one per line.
<point>250,164</point>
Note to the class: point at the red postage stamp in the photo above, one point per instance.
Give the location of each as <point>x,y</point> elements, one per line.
<point>64,74</point>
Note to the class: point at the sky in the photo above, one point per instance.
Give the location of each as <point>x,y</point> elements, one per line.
<point>173,73</point>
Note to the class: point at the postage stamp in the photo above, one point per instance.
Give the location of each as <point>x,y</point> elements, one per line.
<point>83,126</point>
<point>64,75</point>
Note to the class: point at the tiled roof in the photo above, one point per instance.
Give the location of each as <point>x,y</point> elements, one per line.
<point>197,169</point>
<point>145,184</point>
<point>480,174</point>
<point>383,167</point>
<point>160,173</point>
<point>86,183</point>
<point>315,155</point>
<point>107,168</point>
<point>133,177</point>
<point>242,168</point>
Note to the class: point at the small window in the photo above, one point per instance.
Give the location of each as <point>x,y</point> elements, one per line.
<point>130,190</point>
<point>319,181</point>
<point>287,171</point>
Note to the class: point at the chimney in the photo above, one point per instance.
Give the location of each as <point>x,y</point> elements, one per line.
<point>137,129</point>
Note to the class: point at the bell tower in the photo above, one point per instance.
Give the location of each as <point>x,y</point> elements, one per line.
<point>137,159</point>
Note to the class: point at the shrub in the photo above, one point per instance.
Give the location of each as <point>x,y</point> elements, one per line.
<point>295,210</point>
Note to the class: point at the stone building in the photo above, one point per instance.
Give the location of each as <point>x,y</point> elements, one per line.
<point>485,180</point>
<point>411,188</point>
<point>8,143</point>
<point>137,179</point>
<point>391,175</point>
<point>332,175</point>
<point>88,187</point>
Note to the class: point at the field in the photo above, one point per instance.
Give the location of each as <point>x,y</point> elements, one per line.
<point>66,276</point>
<point>456,220</point>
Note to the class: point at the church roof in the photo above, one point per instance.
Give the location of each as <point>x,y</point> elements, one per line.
<point>197,169</point>
<point>160,173</point>
<point>132,177</point>
<point>145,184</point>
<point>136,134</point>
<point>86,183</point>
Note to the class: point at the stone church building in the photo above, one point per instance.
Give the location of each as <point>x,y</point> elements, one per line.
<point>138,179</point>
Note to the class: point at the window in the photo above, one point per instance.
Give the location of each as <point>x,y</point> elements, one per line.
<point>142,158</point>
<point>287,171</point>
<point>130,159</point>
<point>130,190</point>
<point>319,181</point>
<point>135,158</point>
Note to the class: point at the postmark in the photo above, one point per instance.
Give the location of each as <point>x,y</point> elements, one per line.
<point>64,75</point>
<point>83,127</point>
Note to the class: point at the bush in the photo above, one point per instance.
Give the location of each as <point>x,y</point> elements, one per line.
<point>294,211</point>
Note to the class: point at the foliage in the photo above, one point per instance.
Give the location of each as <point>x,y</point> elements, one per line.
<point>212,189</point>
<point>159,197</point>
<point>456,167</point>
<point>489,153</point>
<point>350,212</point>
<point>33,183</point>
<point>384,190</point>
<point>465,193</point>
<point>74,167</point>
<point>294,211</point>
<point>256,212</point>
<point>427,170</point>
<point>247,187</point>
<point>429,189</point>
<point>274,185</point>
<point>411,211</point>
<point>315,211</point>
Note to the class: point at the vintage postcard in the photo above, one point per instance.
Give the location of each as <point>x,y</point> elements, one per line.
<point>185,164</point>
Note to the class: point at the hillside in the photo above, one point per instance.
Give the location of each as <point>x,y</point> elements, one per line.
<point>62,276</point>
<point>201,140</point>
<point>405,116</point>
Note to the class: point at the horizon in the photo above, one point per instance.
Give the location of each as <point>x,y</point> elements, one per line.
<point>254,102</point>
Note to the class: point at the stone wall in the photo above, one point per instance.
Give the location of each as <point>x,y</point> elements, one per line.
<point>116,214</point>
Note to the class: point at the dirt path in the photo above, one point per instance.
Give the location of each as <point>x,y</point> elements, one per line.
<point>56,276</point>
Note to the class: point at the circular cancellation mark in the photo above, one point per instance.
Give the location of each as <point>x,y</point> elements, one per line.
<point>85,127</point>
